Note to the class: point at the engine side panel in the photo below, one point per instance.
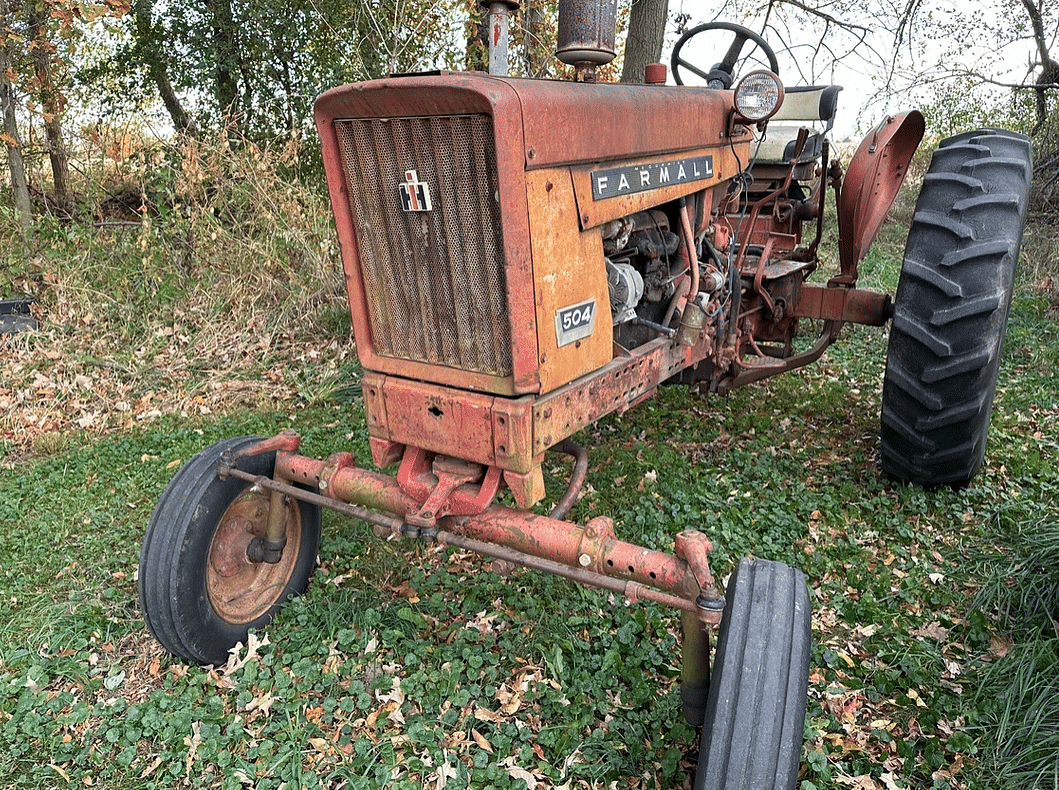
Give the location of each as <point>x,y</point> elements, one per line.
<point>571,298</point>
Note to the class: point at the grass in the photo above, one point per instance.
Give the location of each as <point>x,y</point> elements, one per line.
<point>404,667</point>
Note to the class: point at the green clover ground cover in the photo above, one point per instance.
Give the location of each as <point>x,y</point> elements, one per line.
<point>403,666</point>
<point>406,667</point>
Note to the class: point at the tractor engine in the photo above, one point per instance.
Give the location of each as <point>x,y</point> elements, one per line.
<point>645,260</point>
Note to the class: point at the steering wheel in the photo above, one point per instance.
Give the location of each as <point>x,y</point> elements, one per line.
<point>722,75</point>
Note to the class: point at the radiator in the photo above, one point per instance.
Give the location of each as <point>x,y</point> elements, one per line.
<point>424,198</point>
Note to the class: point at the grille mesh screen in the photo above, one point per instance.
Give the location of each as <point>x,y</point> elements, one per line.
<point>434,280</point>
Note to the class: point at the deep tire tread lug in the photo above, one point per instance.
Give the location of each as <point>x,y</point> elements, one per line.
<point>951,308</point>
<point>987,303</point>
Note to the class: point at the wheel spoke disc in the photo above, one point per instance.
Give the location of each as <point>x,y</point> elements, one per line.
<point>240,590</point>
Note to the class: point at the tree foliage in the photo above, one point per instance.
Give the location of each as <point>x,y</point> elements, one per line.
<point>257,66</point>
<point>38,39</point>
<point>254,67</point>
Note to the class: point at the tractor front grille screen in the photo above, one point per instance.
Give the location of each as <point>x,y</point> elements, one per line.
<point>423,194</point>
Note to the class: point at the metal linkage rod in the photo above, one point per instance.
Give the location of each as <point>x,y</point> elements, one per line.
<point>632,591</point>
<point>379,519</point>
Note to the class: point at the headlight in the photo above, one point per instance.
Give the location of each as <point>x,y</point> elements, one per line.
<point>758,95</point>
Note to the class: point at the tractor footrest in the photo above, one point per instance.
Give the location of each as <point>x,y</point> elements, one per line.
<point>764,363</point>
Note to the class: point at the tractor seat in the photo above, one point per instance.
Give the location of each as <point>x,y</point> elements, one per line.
<point>811,106</point>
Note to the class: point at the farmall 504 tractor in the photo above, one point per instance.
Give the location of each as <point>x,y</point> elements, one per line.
<point>524,257</point>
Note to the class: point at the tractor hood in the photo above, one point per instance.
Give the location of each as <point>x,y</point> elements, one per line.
<point>872,181</point>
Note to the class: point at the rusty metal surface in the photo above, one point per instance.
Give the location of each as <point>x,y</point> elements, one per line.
<point>828,335</point>
<point>586,32</point>
<point>593,548</point>
<point>434,280</point>
<point>577,478</point>
<point>872,181</point>
<point>383,520</point>
<point>445,95</point>
<point>514,434</point>
<point>370,489</point>
<point>288,441</point>
<point>594,123</point>
<point>436,418</point>
<point>239,590</point>
<point>625,381</point>
<point>630,590</point>
<point>852,305</point>
<point>489,430</point>
<point>592,213</point>
<point>568,271</point>
<point>445,486</point>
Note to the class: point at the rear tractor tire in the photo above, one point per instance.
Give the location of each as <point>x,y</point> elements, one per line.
<point>951,308</point>
<point>199,592</point>
<point>755,712</point>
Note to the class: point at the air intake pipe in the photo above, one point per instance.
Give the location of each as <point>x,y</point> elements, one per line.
<point>499,15</point>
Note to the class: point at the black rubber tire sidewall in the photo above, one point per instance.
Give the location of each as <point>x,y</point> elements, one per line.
<point>172,571</point>
<point>951,309</point>
<point>755,713</point>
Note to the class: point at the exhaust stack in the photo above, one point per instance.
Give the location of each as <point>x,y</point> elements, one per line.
<point>586,35</point>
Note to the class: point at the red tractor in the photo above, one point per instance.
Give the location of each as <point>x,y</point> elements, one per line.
<point>524,257</point>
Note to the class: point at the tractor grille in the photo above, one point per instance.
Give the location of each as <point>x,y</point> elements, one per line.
<point>434,280</point>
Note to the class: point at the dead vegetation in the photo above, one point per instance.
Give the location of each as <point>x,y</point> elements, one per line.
<point>193,278</point>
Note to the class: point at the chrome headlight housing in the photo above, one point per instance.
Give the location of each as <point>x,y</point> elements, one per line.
<point>758,96</point>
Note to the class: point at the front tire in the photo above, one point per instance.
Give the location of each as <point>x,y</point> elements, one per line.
<point>755,714</point>
<point>952,306</point>
<point>199,593</point>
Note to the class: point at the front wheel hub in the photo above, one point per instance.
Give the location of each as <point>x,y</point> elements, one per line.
<point>246,573</point>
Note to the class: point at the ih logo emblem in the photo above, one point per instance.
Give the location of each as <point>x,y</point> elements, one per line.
<point>415,194</point>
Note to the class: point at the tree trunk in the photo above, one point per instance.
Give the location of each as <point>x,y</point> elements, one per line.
<point>538,58</point>
<point>148,50</point>
<point>647,29</point>
<point>1049,75</point>
<point>226,60</point>
<point>51,101</point>
<point>19,184</point>
<point>183,122</point>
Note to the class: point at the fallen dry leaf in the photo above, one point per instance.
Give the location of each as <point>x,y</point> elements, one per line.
<point>1000,646</point>
<point>862,782</point>
<point>934,630</point>
<point>481,741</point>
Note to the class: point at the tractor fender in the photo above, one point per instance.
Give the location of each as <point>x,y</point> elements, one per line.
<point>873,179</point>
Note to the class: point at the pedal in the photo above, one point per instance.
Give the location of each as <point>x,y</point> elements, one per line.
<point>764,363</point>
